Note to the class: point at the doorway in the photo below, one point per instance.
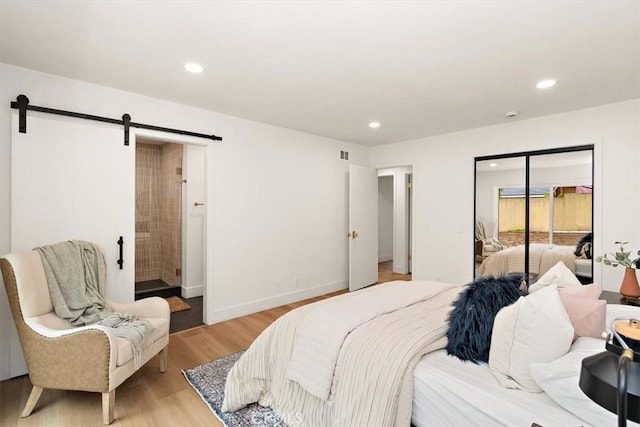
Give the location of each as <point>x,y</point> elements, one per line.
<point>170,227</point>
<point>158,219</point>
<point>394,223</point>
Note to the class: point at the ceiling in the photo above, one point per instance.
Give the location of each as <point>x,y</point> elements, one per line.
<point>537,161</point>
<point>329,68</point>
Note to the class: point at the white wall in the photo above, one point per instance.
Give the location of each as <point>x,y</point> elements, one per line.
<point>443,183</point>
<point>280,196</point>
<point>385,218</point>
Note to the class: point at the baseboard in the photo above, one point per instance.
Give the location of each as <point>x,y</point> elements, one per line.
<point>276,301</point>
<point>5,369</point>
<point>385,258</point>
<point>15,369</point>
<point>192,291</point>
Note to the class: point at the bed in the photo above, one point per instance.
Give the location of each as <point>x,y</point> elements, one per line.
<point>541,258</point>
<point>338,361</point>
<point>449,392</point>
<point>390,367</point>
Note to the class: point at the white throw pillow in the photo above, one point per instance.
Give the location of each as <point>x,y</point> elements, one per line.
<point>559,275</point>
<point>536,328</point>
<point>560,378</point>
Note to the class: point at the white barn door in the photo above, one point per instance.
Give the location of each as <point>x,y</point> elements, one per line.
<point>75,179</point>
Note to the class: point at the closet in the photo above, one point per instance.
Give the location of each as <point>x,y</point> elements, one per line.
<point>528,203</point>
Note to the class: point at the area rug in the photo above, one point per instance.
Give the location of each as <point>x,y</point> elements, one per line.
<point>177,304</point>
<point>209,379</point>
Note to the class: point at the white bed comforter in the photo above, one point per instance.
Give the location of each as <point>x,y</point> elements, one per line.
<point>371,376</point>
<point>541,258</point>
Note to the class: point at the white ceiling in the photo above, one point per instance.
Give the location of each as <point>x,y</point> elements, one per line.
<point>556,160</point>
<point>329,68</point>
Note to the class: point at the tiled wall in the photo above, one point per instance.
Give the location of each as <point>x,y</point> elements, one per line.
<point>148,243</point>
<point>158,212</point>
<point>171,212</point>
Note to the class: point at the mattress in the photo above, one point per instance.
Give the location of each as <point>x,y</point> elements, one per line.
<point>583,267</point>
<point>449,392</point>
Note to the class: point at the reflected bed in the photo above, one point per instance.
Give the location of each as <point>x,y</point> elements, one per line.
<point>541,258</point>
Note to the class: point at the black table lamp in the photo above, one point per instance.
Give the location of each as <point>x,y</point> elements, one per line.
<point>612,378</point>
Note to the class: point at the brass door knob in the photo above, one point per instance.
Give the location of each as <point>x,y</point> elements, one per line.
<point>353,234</point>
<point>198,204</point>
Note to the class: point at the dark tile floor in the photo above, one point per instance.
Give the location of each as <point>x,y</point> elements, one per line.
<point>187,319</point>
<point>180,320</point>
<point>155,288</point>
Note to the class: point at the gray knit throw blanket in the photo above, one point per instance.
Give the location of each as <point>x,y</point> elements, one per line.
<point>76,274</point>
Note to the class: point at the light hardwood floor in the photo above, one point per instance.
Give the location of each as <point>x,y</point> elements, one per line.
<point>386,274</point>
<point>150,398</point>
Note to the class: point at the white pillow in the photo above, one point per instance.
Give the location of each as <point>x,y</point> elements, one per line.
<point>560,378</point>
<point>559,275</point>
<point>536,328</point>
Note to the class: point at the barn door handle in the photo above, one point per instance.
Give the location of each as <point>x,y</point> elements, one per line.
<point>120,259</point>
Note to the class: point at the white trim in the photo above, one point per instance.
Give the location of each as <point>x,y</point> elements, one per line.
<point>384,258</point>
<point>206,290</point>
<point>5,369</point>
<point>192,291</point>
<point>234,311</point>
<point>597,222</point>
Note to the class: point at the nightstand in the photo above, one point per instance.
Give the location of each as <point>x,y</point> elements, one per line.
<point>616,298</point>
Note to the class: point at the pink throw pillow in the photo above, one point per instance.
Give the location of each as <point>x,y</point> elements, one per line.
<point>586,312</point>
<point>591,291</point>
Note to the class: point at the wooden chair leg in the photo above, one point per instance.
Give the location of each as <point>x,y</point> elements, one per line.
<point>31,402</point>
<point>164,358</point>
<point>108,404</point>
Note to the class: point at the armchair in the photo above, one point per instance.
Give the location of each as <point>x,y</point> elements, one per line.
<point>61,356</point>
<point>486,241</point>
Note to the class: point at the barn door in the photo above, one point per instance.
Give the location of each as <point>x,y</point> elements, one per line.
<point>75,179</point>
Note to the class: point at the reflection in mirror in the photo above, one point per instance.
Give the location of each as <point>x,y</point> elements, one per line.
<point>561,207</point>
<point>497,217</point>
<point>557,214</point>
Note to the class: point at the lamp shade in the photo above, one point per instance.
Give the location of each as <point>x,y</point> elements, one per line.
<point>599,381</point>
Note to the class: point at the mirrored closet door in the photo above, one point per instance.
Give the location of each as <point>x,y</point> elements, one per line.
<point>533,210</point>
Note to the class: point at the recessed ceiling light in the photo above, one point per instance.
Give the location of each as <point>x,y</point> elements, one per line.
<point>374,125</point>
<point>546,84</point>
<point>493,165</point>
<point>194,68</point>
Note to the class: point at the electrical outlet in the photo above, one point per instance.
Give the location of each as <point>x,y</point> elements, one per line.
<point>297,283</point>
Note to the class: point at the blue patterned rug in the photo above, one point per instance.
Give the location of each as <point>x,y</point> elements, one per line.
<point>209,379</point>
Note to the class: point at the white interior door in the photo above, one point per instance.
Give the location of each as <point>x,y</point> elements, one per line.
<point>194,191</point>
<point>363,227</point>
<point>75,179</point>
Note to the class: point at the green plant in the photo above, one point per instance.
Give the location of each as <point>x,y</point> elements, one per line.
<point>621,257</point>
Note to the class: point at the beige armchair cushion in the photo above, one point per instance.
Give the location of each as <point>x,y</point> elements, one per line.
<point>125,353</point>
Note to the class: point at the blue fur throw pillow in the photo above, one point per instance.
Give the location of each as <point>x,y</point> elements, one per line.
<point>583,248</point>
<point>471,320</point>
